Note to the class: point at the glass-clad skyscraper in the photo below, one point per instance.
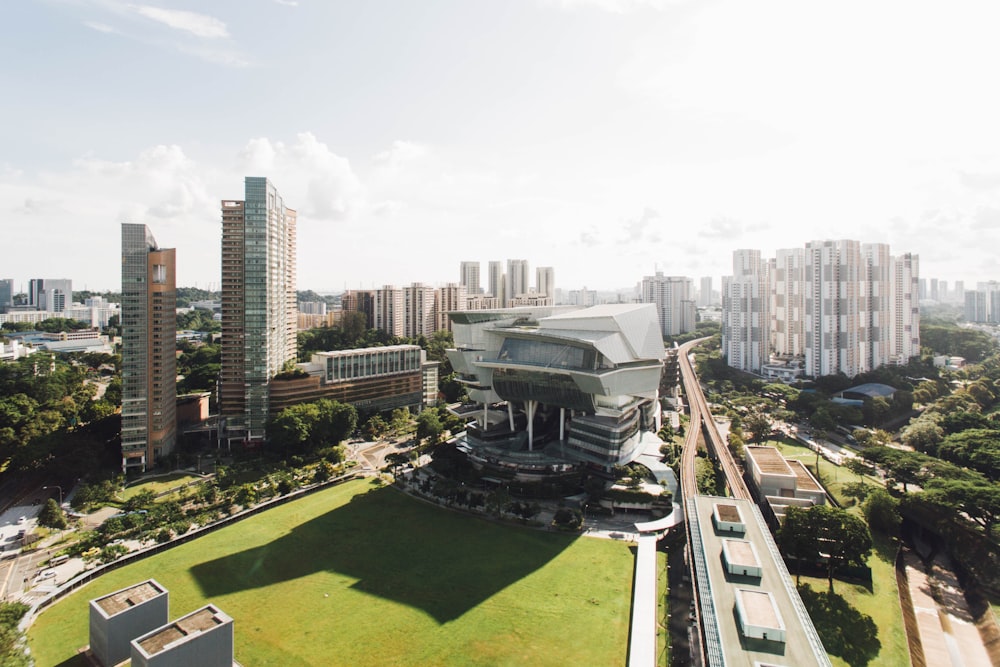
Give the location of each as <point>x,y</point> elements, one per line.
<point>259,316</point>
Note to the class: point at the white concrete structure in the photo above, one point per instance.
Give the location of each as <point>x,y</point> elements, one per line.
<point>583,380</point>
<point>904,309</point>
<point>204,638</point>
<point>674,300</point>
<point>469,278</point>
<point>746,320</point>
<point>788,302</point>
<point>418,310</point>
<point>545,282</point>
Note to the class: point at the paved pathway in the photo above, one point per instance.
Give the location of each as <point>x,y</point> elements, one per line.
<point>948,633</point>
<point>642,645</point>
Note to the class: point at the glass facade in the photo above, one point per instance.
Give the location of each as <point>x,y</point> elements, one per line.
<point>545,353</point>
<point>515,384</point>
<point>258,302</point>
<point>358,364</point>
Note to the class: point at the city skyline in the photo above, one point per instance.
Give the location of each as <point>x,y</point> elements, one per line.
<point>654,135</point>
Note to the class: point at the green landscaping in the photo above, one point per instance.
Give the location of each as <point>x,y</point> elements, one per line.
<point>859,626</point>
<point>159,485</point>
<point>365,575</point>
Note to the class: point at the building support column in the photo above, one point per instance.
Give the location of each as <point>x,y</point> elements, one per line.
<point>530,409</point>
<point>510,415</point>
<point>486,422</point>
<point>562,424</point>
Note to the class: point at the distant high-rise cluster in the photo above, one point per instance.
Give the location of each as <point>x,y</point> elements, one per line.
<point>831,307</point>
<point>983,303</point>
<point>50,295</point>
<point>149,344</point>
<point>420,310</point>
<point>674,300</point>
<point>259,308</point>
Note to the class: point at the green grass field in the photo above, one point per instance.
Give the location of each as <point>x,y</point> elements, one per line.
<point>160,484</point>
<point>357,575</point>
<point>846,634</point>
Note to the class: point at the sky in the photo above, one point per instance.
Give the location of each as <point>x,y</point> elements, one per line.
<point>608,139</point>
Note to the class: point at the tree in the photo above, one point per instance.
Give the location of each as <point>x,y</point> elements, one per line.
<point>978,500</point>
<point>859,467</point>
<point>293,427</point>
<point>335,421</point>
<point>758,423</point>
<point>923,434</point>
<point>797,539</point>
<point>843,537</point>
<point>882,512</point>
<point>375,427</point>
<point>429,425</point>
<point>51,516</point>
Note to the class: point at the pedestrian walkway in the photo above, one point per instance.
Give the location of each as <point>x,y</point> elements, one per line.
<point>642,645</point>
<point>948,633</point>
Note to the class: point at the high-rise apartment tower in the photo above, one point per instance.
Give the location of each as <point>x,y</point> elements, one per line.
<point>259,316</point>
<point>149,349</point>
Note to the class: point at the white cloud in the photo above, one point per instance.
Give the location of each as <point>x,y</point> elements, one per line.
<point>100,27</point>
<point>311,177</point>
<point>288,3</point>
<point>199,25</point>
<point>614,6</point>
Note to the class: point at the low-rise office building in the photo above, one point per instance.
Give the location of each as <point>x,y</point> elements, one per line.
<point>372,379</point>
<point>779,483</point>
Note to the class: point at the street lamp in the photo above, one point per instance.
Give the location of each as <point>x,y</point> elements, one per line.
<point>56,486</point>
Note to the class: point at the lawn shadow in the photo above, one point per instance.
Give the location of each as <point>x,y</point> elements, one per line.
<point>78,660</point>
<point>396,548</point>
<point>844,630</point>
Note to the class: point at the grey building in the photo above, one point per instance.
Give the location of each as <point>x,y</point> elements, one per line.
<point>204,638</point>
<point>6,294</point>
<point>53,295</point>
<point>118,618</point>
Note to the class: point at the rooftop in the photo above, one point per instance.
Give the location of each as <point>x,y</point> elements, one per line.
<point>759,608</point>
<point>769,460</point>
<point>127,598</point>
<point>871,390</point>
<point>740,553</point>
<point>803,478</point>
<point>773,600</point>
<point>196,622</point>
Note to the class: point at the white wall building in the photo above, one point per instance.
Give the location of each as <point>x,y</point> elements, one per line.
<point>673,298</point>
<point>746,313</point>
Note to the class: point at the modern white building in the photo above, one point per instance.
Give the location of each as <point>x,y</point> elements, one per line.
<point>832,307</point>
<point>418,315</point>
<point>904,309</point>
<point>496,280</point>
<point>674,300</point>
<point>50,294</point>
<point>545,282</point>
<point>746,322</point>
<point>470,278</point>
<point>446,299</point>
<point>787,275</point>
<point>559,387</point>
<point>516,281</point>
<point>705,292</point>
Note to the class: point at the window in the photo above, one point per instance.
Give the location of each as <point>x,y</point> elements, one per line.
<point>159,274</point>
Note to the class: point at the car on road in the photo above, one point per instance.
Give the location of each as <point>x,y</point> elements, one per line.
<point>47,574</point>
<point>21,519</point>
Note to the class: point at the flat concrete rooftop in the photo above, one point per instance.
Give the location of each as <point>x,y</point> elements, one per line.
<point>724,642</point>
<point>127,598</point>
<point>194,623</point>
<point>803,479</point>
<point>769,460</point>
